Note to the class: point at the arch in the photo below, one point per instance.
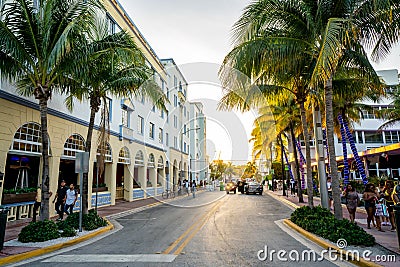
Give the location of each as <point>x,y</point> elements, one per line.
<point>107,152</point>
<point>74,143</point>
<point>139,158</point>
<point>124,156</point>
<point>151,161</point>
<point>160,163</point>
<point>28,139</point>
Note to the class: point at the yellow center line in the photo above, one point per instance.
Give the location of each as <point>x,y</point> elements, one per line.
<point>197,229</point>
<point>200,222</point>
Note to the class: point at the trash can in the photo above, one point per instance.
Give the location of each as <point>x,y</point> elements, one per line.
<point>396,209</point>
<point>3,222</point>
<point>221,186</point>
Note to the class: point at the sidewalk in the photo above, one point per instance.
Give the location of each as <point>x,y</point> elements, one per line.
<point>387,239</point>
<point>14,228</point>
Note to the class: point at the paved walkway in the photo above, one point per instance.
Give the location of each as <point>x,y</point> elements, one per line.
<point>387,239</point>
<point>14,228</point>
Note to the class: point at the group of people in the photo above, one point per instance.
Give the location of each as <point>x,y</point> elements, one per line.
<point>64,200</point>
<point>189,186</point>
<point>378,203</point>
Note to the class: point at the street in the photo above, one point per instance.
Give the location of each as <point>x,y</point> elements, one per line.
<point>213,229</point>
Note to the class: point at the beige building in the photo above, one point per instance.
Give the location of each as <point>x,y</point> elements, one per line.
<point>146,153</point>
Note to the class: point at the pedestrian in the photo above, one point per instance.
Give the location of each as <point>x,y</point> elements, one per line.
<point>380,189</point>
<point>330,195</point>
<point>396,195</point>
<point>386,194</point>
<point>194,188</point>
<point>292,188</point>
<point>352,201</point>
<point>60,197</point>
<point>370,199</point>
<point>187,186</point>
<point>71,198</point>
<point>38,202</point>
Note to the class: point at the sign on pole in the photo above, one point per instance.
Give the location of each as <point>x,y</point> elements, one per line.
<point>81,167</point>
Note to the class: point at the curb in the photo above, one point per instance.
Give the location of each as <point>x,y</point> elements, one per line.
<point>361,262</point>
<point>41,251</point>
<point>288,202</point>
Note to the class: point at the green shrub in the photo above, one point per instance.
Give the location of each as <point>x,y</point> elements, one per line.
<point>38,232</point>
<point>68,232</point>
<point>90,221</point>
<point>321,222</point>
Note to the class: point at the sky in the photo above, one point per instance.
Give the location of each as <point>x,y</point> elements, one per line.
<point>196,34</point>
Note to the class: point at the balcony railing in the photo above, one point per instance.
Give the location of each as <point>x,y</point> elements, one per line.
<point>125,133</point>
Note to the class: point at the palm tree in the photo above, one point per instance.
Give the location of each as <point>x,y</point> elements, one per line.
<point>37,44</point>
<point>116,67</point>
<point>229,170</point>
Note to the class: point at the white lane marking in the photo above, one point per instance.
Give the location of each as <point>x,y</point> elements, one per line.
<point>136,219</point>
<point>309,244</point>
<point>157,258</point>
<point>117,227</point>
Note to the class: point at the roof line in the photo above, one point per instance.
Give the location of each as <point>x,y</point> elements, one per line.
<point>176,66</point>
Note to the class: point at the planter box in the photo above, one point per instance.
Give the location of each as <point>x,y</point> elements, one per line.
<point>100,189</point>
<point>16,198</point>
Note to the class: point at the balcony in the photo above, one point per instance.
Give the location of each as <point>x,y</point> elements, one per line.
<point>125,133</point>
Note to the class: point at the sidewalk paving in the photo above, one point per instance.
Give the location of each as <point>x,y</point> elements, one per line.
<point>387,239</point>
<point>14,228</point>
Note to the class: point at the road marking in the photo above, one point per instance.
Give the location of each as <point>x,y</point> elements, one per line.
<point>157,258</point>
<point>193,230</point>
<point>136,219</point>
<point>309,244</point>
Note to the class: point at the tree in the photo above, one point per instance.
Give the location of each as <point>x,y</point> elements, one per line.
<point>229,170</point>
<point>116,67</point>
<point>250,170</point>
<point>217,168</point>
<point>37,44</point>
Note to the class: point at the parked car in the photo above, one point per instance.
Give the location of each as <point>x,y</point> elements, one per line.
<point>253,187</point>
<point>230,187</point>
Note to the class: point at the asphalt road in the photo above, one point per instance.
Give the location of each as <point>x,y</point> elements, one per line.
<point>213,229</point>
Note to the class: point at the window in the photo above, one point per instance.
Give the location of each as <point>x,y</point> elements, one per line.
<point>184,147</point>
<point>175,101</point>
<point>175,142</point>
<point>175,82</point>
<point>75,143</point>
<point>28,138</point>
<point>180,86</point>
<point>369,114</point>
<point>162,113</point>
<point>153,109</point>
<point>184,129</point>
<point>111,25</point>
<point>151,130</point>
<point>140,125</point>
<point>142,99</point>
<point>167,94</point>
<point>166,139</point>
<point>162,85</point>
<point>184,111</point>
<point>106,149</point>
<point>160,135</point>
<point>392,137</point>
<point>360,138</point>
<point>167,116</point>
<point>175,121</point>
<point>125,118</point>
<point>109,105</point>
<point>124,156</point>
<point>139,158</point>
<point>373,137</point>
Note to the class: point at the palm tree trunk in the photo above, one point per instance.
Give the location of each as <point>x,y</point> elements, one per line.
<point>88,148</point>
<point>44,212</point>
<point>283,165</point>
<point>296,160</point>
<point>332,154</point>
<point>310,192</point>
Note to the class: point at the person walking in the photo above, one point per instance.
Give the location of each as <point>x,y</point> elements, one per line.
<point>380,189</point>
<point>38,202</point>
<point>396,195</point>
<point>60,197</point>
<point>370,199</point>
<point>71,198</point>
<point>194,188</point>
<point>386,194</point>
<point>352,201</point>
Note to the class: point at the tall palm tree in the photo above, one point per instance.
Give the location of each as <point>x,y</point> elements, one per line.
<point>116,67</point>
<point>36,47</point>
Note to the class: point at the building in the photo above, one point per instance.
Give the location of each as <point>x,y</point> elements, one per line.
<point>147,152</point>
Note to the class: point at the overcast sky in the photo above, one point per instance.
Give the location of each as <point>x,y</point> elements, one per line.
<point>199,31</point>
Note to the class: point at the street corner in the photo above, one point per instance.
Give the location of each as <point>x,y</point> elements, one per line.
<point>18,256</point>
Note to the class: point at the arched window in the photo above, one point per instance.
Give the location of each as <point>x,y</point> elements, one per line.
<point>139,159</point>
<point>160,163</point>
<point>28,139</point>
<point>107,152</point>
<point>151,162</point>
<point>124,156</point>
<point>75,143</point>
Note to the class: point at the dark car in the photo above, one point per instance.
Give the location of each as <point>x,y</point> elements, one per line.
<point>253,187</point>
<point>230,187</point>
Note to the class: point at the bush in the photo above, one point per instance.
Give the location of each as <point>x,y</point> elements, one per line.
<point>39,232</point>
<point>321,222</point>
<point>90,221</point>
<point>68,232</point>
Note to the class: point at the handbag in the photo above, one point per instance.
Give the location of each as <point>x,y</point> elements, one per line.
<point>343,200</point>
<point>379,209</point>
<point>385,209</point>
